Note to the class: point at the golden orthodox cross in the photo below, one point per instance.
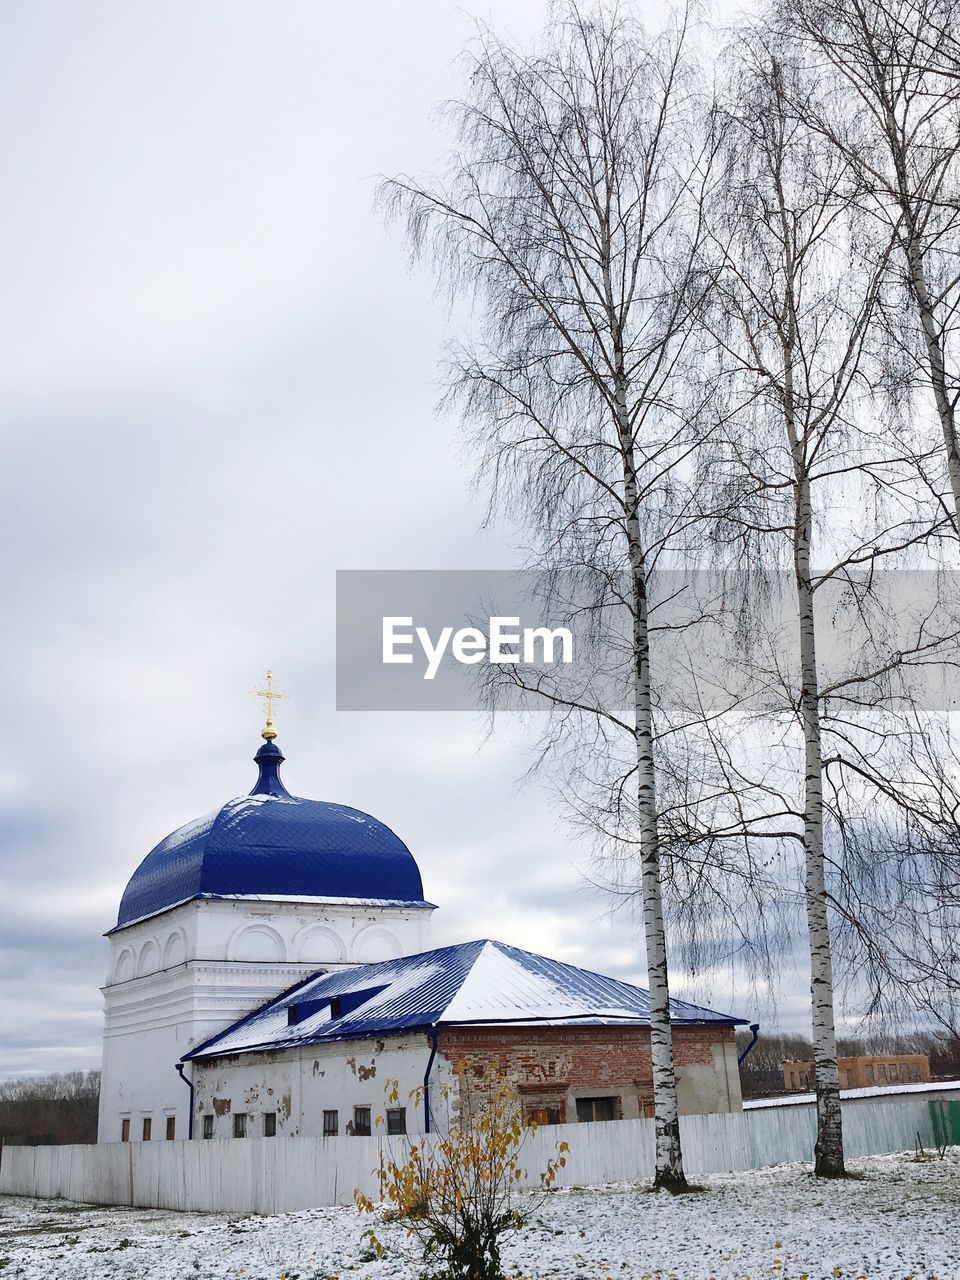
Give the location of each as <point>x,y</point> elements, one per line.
<point>270,696</point>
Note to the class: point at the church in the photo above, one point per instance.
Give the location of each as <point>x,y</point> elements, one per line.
<point>270,969</point>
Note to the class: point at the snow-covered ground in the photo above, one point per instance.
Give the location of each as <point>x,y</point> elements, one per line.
<point>898,1219</point>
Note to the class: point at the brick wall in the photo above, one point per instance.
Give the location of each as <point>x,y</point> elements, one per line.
<point>551,1067</point>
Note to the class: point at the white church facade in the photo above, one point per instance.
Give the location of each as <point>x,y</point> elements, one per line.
<point>270,968</point>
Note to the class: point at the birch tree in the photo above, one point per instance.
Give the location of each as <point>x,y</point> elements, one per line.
<point>887,101</point>
<point>572,218</point>
<point>891,108</point>
<point>794,319</point>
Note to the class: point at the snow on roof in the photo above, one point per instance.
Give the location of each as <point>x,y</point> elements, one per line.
<point>869,1091</point>
<point>476,983</point>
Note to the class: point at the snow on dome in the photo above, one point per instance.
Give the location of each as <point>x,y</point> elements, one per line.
<point>271,844</point>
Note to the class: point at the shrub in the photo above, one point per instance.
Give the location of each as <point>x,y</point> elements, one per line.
<point>457,1191</point>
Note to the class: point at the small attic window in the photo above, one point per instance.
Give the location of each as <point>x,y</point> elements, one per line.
<point>291,1015</point>
<point>334,1006</point>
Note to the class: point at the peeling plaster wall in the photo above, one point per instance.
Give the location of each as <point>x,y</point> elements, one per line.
<point>554,1066</point>
<point>298,1085</point>
<point>548,1066</point>
<point>181,976</point>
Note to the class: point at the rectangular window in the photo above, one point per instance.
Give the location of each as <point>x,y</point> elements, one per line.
<point>240,1125</point>
<point>361,1122</point>
<point>208,1126</point>
<point>331,1126</point>
<point>269,1124</point>
<point>870,1073</point>
<point>397,1120</point>
<point>894,1071</point>
<point>882,1071</point>
<point>147,1128</point>
<point>542,1115</point>
<point>171,1128</point>
<point>591,1109</point>
<point>125,1129</point>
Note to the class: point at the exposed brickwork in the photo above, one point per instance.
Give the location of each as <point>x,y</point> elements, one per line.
<point>550,1066</point>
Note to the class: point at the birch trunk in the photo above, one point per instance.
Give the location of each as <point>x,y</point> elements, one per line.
<point>669,1159</point>
<point>828,1151</point>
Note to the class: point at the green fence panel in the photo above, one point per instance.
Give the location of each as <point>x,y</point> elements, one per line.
<point>945,1120</point>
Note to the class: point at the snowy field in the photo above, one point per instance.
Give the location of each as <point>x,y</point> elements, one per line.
<point>899,1219</point>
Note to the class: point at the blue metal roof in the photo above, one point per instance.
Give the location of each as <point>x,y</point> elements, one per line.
<point>475,983</point>
<point>273,844</point>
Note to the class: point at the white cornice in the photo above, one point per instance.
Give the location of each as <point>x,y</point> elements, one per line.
<point>397,906</point>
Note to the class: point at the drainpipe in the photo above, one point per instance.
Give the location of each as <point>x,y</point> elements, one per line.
<point>434,1035</point>
<point>189,1084</point>
<point>755,1028</point>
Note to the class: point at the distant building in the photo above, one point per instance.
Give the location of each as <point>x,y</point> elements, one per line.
<point>863,1072</point>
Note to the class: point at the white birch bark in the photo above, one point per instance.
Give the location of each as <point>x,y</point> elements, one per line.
<point>828,1153</point>
<point>829,1145</point>
<point>669,1160</point>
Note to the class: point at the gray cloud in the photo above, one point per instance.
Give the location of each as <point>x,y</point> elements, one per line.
<point>218,387</point>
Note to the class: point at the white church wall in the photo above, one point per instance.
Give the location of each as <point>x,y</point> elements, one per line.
<point>297,1086</point>
<point>257,942</point>
<point>178,978</point>
<point>319,943</point>
<point>175,949</point>
<point>328,935</point>
<point>376,943</point>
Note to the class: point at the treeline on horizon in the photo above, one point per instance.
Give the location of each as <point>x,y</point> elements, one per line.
<point>53,1109</point>
<point>761,1072</point>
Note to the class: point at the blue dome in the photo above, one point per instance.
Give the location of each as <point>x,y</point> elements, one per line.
<point>273,844</point>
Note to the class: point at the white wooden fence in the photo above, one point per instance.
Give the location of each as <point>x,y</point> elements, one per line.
<point>276,1175</point>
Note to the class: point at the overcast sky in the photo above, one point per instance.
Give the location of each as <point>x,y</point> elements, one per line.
<point>218,380</point>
